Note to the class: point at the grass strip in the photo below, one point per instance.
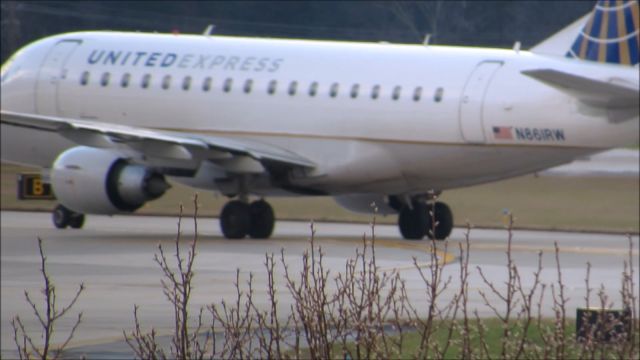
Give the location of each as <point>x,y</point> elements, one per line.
<point>493,338</point>
<point>607,204</point>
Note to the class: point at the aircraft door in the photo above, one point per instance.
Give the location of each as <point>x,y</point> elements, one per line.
<point>50,74</point>
<point>472,101</point>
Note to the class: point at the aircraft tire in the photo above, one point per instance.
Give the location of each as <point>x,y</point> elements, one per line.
<point>76,221</point>
<point>235,220</point>
<point>61,217</point>
<point>262,219</point>
<point>413,222</point>
<point>444,220</point>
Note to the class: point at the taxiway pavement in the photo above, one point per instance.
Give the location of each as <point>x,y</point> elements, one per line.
<point>113,257</point>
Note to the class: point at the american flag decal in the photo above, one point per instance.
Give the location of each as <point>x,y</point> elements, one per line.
<point>502,132</point>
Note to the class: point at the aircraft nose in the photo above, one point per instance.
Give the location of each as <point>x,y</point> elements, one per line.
<point>19,78</point>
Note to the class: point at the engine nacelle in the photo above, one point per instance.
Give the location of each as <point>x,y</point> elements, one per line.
<point>362,203</point>
<point>97,181</point>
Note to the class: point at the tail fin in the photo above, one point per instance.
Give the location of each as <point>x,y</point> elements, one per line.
<point>610,35</point>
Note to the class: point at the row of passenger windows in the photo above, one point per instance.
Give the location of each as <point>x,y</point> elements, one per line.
<point>247,87</point>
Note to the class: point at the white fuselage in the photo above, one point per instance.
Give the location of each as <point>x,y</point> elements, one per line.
<point>438,120</point>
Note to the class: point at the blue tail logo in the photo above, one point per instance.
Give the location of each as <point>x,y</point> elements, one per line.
<point>610,35</point>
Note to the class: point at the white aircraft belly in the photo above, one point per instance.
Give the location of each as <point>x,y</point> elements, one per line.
<point>346,166</point>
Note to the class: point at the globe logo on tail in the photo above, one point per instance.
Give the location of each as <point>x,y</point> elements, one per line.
<point>610,35</point>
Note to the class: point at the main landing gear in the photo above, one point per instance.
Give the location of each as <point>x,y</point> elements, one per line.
<point>239,219</point>
<point>416,221</point>
<point>63,217</point>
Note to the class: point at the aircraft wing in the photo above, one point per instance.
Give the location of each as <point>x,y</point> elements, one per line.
<point>230,153</point>
<point>590,91</point>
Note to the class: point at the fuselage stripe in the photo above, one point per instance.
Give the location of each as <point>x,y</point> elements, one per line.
<point>365,139</point>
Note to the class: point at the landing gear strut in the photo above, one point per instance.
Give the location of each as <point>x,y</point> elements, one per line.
<point>239,219</point>
<point>416,221</point>
<point>63,217</point>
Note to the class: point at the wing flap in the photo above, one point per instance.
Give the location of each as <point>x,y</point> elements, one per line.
<point>257,150</point>
<point>155,143</point>
<point>590,91</point>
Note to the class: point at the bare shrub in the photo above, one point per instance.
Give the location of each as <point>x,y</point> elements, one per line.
<point>438,316</point>
<point>362,311</point>
<point>272,332</point>
<point>346,314</point>
<point>609,336</point>
<point>516,315</point>
<point>630,306</point>
<point>313,305</point>
<point>47,317</point>
<point>369,300</point>
<point>516,308</point>
<point>236,321</point>
<point>177,285</point>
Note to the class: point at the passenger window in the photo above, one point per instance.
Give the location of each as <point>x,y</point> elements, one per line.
<point>313,89</point>
<point>375,92</point>
<point>166,82</point>
<point>293,87</point>
<point>84,79</point>
<point>354,91</point>
<point>333,92</point>
<point>125,80</point>
<point>437,96</point>
<point>146,79</point>
<point>417,93</point>
<point>104,81</point>
<point>396,93</point>
<point>186,83</point>
<point>272,87</point>
<point>247,86</point>
<point>227,85</point>
<point>206,84</point>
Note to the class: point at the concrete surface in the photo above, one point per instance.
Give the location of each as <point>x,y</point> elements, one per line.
<point>113,256</point>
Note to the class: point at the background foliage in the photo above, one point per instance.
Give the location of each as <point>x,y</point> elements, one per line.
<point>481,23</point>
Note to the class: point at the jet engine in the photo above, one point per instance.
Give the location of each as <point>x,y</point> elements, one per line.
<point>98,181</point>
<point>363,203</point>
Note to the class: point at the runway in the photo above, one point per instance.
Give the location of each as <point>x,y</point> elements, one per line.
<point>113,256</point>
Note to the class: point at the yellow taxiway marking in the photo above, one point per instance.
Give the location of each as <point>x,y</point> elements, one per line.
<point>445,255</point>
<point>563,249</point>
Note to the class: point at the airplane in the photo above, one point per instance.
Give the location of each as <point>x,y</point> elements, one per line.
<point>113,117</point>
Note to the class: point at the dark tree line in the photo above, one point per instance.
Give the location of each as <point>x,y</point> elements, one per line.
<point>474,23</point>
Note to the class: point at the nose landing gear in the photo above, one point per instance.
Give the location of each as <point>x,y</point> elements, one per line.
<point>63,217</point>
<point>239,219</point>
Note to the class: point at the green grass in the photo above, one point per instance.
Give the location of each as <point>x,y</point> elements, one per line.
<point>493,337</point>
<point>565,203</point>
<point>572,203</point>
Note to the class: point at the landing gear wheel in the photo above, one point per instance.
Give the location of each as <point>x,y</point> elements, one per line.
<point>413,222</point>
<point>444,219</point>
<point>61,217</point>
<point>235,220</point>
<point>76,221</point>
<point>262,219</point>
